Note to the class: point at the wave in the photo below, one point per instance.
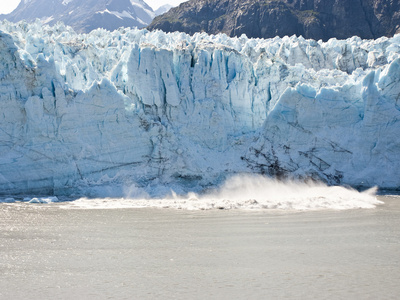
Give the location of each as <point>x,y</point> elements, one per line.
<point>249,192</point>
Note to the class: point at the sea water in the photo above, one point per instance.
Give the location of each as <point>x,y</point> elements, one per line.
<point>77,251</point>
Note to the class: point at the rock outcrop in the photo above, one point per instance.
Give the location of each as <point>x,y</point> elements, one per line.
<point>316,19</point>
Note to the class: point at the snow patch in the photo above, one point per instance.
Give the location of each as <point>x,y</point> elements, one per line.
<point>122,15</point>
<point>66,2</point>
<point>47,20</point>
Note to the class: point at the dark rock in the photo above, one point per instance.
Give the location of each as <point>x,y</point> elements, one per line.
<point>316,19</point>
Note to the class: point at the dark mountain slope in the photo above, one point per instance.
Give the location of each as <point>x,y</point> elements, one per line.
<point>317,19</point>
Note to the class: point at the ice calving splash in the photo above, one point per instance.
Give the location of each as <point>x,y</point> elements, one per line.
<point>100,110</point>
<point>249,192</point>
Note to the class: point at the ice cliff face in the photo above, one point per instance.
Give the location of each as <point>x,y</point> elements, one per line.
<point>105,113</point>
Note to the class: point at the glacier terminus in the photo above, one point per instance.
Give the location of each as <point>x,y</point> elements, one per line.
<point>116,113</point>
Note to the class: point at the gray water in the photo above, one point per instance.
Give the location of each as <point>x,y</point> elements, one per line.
<point>47,252</point>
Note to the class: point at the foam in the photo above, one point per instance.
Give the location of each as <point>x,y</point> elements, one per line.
<point>248,192</point>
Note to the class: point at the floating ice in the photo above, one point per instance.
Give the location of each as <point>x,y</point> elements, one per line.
<point>43,200</point>
<point>7,200</point>
<point>30,199</point>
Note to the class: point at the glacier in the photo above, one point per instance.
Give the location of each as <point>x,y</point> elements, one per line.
<point>133,112</point>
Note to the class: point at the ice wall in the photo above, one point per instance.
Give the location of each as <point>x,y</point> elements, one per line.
<point>105,112</point>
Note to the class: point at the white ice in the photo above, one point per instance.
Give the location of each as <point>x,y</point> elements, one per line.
<point>95,114</point>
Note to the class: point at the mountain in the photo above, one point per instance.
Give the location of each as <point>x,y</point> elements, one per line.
<point>163,9</point>
<point>132,110</point>
<point>85,15</point>
<point>316,19</point>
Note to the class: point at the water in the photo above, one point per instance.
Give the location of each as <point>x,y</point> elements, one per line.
<point>55,251</point>
<point>238,192</point>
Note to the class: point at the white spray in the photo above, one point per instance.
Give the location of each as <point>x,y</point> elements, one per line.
<point>251,192</point>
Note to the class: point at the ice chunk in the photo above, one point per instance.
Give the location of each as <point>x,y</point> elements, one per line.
<point>43,200</point>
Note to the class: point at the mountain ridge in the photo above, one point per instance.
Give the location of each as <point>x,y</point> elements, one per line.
<point>84,16</point>
<point>163,9</point>
<point>316,19</point>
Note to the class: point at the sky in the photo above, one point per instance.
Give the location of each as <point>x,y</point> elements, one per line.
<point>7,6</point>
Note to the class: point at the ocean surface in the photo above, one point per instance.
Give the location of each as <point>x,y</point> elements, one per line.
<point>67,251</point>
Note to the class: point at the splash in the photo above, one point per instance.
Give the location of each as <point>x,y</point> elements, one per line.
<point>249,192</point>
